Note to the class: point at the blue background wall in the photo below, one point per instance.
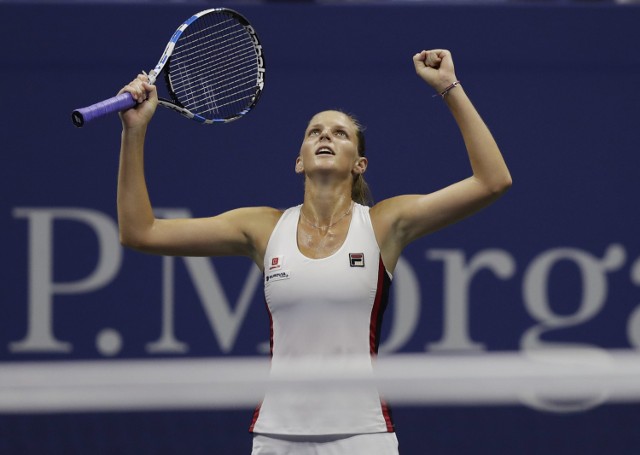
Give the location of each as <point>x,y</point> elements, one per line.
<point>556,261</point>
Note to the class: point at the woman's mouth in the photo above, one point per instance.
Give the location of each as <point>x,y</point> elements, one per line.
<point>324,151</point>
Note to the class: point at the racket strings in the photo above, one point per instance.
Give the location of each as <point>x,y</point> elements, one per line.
<point>230,82</point>
<point>241,59</point>
<point>215,68</point>
<point>224,74</point>
<point>211,49</point>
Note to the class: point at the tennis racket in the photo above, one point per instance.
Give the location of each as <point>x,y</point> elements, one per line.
<point>213,68</point>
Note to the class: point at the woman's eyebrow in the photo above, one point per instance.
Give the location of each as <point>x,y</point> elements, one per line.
<point>341,126</point>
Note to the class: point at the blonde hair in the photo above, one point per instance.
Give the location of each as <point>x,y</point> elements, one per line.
<point>360,191</point>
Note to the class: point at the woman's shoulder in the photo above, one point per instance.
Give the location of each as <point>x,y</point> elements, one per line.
<point>261,214</point>
<point>254,219</point>
<point>258,211</point>
<point>389,206</point>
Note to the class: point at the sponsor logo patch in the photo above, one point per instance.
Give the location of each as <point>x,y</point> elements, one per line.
<point>356,259</point>
<point>276,262</point>
<point>277,276</point>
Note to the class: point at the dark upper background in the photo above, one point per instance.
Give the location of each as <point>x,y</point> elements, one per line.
<point>557,82</point>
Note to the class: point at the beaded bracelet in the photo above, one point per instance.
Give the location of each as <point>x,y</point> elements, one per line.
<point>447,90</point>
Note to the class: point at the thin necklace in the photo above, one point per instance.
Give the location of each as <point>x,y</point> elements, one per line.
<point>329,226</point>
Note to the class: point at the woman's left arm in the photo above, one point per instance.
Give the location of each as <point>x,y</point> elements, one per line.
<point>400,220</point>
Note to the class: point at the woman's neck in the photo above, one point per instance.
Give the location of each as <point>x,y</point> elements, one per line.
<point>323,223</point>
<point>323,206</point>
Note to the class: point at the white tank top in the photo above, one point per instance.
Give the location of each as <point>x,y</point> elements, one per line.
<point>324,310</point>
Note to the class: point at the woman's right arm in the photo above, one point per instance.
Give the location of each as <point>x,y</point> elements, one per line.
<point>240,232</point>
<point>135,214</point>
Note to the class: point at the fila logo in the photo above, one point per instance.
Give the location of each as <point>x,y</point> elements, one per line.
<point>356,259</point>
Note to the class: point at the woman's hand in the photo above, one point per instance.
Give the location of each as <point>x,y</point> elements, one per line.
<point>436,68</point>
<point>146,97</point>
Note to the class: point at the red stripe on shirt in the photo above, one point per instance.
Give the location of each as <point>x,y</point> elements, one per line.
<point>256,413</point>
<point>375,325</point>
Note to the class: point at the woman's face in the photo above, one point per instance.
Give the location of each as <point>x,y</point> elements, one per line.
<point>330,144</point>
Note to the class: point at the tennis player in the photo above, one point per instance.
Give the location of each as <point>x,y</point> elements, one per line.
<point>327,263</point>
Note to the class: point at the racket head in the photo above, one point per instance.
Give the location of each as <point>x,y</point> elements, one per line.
<point>215,71</point>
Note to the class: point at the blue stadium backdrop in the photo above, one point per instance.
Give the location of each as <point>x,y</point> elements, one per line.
<point>556,262</point>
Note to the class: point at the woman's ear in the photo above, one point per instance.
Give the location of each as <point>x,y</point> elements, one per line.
<point>299,167</point>
<point>360,165</point>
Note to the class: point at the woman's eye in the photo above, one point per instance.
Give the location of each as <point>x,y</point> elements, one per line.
<point>314,132</point>
<point>341,133</point>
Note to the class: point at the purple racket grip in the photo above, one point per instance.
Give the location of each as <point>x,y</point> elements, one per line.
<point>118,103</point>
